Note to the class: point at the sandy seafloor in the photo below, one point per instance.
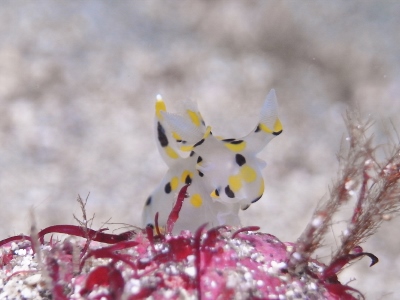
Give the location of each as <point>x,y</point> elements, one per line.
<point>78,82</point>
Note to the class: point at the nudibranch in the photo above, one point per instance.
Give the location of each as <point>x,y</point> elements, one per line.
<point>224,175</point>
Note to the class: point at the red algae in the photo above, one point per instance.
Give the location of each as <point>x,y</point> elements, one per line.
<point>204,265</point>
<point>224,262</point>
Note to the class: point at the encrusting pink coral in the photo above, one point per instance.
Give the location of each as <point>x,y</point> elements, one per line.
<point>221,263</point>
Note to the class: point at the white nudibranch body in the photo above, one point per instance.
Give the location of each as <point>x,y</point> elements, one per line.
<point>224,174</point>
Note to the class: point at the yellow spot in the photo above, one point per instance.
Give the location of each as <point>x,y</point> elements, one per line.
<point>196,200</point>
<point>214,195</point>
<point>248,173</point>
<point>185,174</point>
<point>186,148</point>
<point>207,133</point>
<point>171,152</point>
<point>160,106</point>
<point>261,190</point>
<point>174,183</point>
<point>278,126</point>
<point>176,136</point>
<point>265,128</point>
<point>235,182</point>
<point>236,147</point>
<point>160,228</point>
<point>194,117</point>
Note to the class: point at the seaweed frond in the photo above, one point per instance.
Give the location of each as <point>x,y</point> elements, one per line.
<point>375,185</point>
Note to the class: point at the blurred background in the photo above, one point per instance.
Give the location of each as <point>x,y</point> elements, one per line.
<point>78,82</point>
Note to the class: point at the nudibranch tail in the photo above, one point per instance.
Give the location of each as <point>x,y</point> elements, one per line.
<point>268,127</point>
<point>269,120</point>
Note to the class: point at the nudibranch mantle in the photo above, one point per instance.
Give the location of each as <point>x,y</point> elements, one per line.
<point>224,174</point>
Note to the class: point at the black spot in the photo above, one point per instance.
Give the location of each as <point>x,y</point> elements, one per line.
<point>184,142</point>
<point>245,207</point>
<point>255,200</point>
<point>179,141</point>
<point>200,174</point>
<point>237,142</point>
<point>188,180</point>
<point>203,123</point>
<point>210,132</point>
<point>216,192</point>
<point>277,132</point>
<point>199,143</point>
<point>228,140</point>
<point>229,192</point>
<point>199,159</point>
<point>258,128</point>
<point>240,159</point>
<point>150,225</point>
<point>162,138</point>
<point>191,153</point>
<point>148,201</point>
<point>167,188</point>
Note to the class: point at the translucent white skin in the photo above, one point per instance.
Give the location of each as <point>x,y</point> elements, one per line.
<point>224,174</point>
